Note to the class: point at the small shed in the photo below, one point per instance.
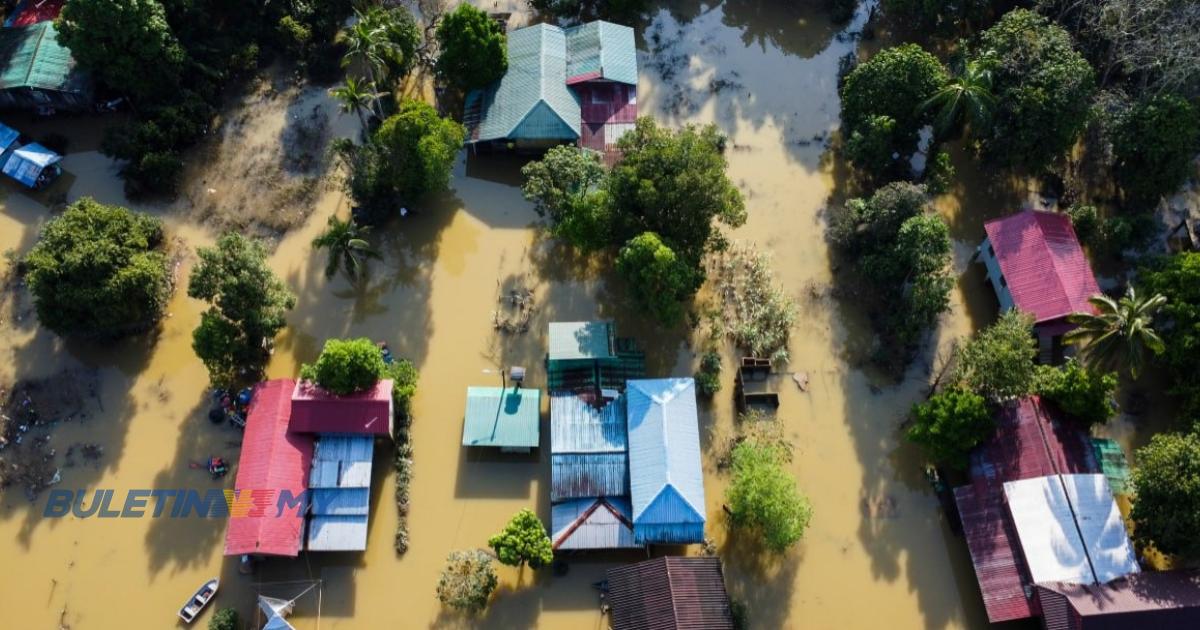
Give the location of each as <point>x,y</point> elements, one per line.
<point>666,480</point>
<point>592,523</point>
<point>315,410</point>
<point>502,417</point>
<point>36,71</point>
<point>671,593</point>
<point>33,165</point>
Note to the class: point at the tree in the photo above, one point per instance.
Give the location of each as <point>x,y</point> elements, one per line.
<point>346,247</point>
<point>1166,486</point>
<point>1085,394</point>
<point>367,45</point>
<point>247,308</point>
<point>763,497</point>
<point>917,267</point>
<point>659,280</point>
<point>404,377</point>
<point>346,366</point>
<point>127,44</point>
<point>357,96</point>
<point>1043,89</point>
<point>949,425</point>
<point>564,187</point>
<point>873,146</point>
<point>474,50</point>
<point>871,224</point>
<point>403,36</point>
<point>225,619</point>
<point>1178,278</point>
<point>966,100</point>
<point>523,541</point>
<point>1119,333</point>
<point>708,377</point>
<point>467,581</point>
<point>936,12</point>
<point>998,362</point>
<point>99,271</point>
<point>892,84</point>
<point>1154,145</point>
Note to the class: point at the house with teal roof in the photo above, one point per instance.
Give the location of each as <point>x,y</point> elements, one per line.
<point>573,85</point>
<point>37,71</point>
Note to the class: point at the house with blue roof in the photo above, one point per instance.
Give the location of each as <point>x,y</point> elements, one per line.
<point>563,85</point>
<point>665,478</point>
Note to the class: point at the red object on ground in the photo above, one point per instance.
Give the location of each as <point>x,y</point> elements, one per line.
<point>1046,270</point>
<point>273,459</point>
<point>315,410</point>
<point>1028,443</point>
<point>34,11</point>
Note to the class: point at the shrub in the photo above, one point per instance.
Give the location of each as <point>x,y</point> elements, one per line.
<point>873,146</point>
<point>225,619</point>
<point>404,384</point>
<point>1166,485</point>
<point>1178,278</point>
<point>997,362</point>
<point>467,581</point>
<point>708,377</point>
<point>1082,393</point>
<point>1086,221</point>
<point>658,279</point>
<point>523,541</point>
<point>939,173</point>
<point>758,314</point>
<point>763,497</point>
<point>99,271</point>
<point>949,425</point>
<point>346,366</point>
<point>1154,145</point>
<point>474,50</point>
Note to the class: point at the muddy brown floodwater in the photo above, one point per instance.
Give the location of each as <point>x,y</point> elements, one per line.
<point>877,554</point>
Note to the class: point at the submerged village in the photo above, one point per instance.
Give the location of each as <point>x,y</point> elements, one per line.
<point>600,314</point>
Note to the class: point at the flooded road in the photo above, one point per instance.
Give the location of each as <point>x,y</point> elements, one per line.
<point>877,553</point>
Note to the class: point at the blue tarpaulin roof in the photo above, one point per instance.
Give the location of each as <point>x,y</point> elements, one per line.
<point>502,416</point>
<point>666,480</point>
<point>8,136</point>
<point>25,164</point>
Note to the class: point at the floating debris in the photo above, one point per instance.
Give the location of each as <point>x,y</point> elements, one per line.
<point>801,379</point>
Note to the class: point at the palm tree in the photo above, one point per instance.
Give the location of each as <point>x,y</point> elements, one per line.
<point>346,247</point>
<point>357,96</point>
<point>1119,333</point>
<point>966,99</point>
<point>367,43</point>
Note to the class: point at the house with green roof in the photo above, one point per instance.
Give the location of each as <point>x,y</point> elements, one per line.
<point>507,418</point>
<point>37,71</point>
<point>573,85</point>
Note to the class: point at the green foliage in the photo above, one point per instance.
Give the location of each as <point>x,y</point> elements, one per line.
<point>523,541</point>
<point>949,425</point>
<point>1154,145</point>
<point>708,377</point>
<point>295,35</point>
<point>468,580</point>
<point>763,497</point>
<point>346,247</point>
<point>939,173</point>
<point>1082,393</point>
<point>346,366</point>
<point>402,34</point>
<point>1178,278</point>
<point>128,45</point>
<point>247,308</point>
<point>945,13</point>
<point>870,224</point>
<point>150,145</point>
<point>1086,221</point>
<point>1118,335</point>
<point>659,280</point>
<point>965,100</point>
<point>1043,89</point>
<point>474,50</point>
<point>564,188</point>
<point>99,271</point>
<point>873,146</point>
<point>404,377</point>
<point>757,314</point>
<point>619,11</point>
<point>1166,483</point>
<point>893,85</point>
<point>225,619</point>
<point>1112,235</point>
<point>997,363</point>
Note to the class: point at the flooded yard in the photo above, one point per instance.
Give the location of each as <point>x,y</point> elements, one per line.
<point>878,553</point>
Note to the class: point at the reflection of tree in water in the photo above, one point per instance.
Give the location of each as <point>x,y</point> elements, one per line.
<point>802,27</point>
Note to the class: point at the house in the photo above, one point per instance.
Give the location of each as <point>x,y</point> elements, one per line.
<point>38,72</point>
<point>1035,264</point>
<point>666,481</point>
<point>573,85</point>
<point>502,417</point>
<point>671,593</point>
<point>32,164</point>
<point>592,523</point>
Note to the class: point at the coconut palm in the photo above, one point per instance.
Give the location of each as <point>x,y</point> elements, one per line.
<point>346,247</point>
<point>1119,333</point>
<point>367,44</point>
<point>357,96</point>
<point>965,99</point>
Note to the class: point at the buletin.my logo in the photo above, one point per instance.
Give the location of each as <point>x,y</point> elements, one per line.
<point>174,503</point>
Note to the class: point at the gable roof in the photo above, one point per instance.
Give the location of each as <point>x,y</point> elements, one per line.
<point>315,410</point>
<point>1164,600</point>
<point>670,593</point>
<point>532,100</point>
<point>1043,265</point>
<point>592,523</point>
<point>666,481</point>
<point>33,58</point>
<point>601,50</point>
<point>272,459</point>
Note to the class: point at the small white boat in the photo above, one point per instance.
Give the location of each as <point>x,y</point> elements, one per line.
<point>192,609</point>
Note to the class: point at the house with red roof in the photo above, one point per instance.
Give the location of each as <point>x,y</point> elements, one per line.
<point>1035,264</point>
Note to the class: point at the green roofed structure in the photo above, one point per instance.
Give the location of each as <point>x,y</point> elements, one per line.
<point>507,418</point>
<point>36,71</point>
<point>589,359</point>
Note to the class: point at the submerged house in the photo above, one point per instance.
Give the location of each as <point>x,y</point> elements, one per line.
<point>502,417</point>
<point>573,85</point>
<point>1034,263</point>
<point>33,165</point>
<point>38,72</point>
<point>589,360</point>
<point>670,593</point>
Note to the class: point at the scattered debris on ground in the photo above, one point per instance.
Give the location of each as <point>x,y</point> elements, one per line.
<point>515,310</point>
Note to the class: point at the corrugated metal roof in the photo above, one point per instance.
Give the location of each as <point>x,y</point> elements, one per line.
<point>1044,267</point>
<point>340,501</point>
<point>1113,463</point>
<point>337,533</point>
<point>505,417</point>
<point>577,427</point>
<point>33,58</point>
<point>272,459</point>
<point>666,480</point>
<point>601,50</point>
<point>25,164</point>
<point>1047,531</point>
<point>579,475</point>
<point>341,495</point>
<point>1100,526</point>
<point>571,341</point>
<point>1163,600</point>
<point>35,11</point>
<point>594,523</point>
<point>315,410</point>
<point>342,462</point>
<point>669,593</point>
<point>995,554</point>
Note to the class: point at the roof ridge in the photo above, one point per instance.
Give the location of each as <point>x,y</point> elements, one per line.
<point>1054,260</point>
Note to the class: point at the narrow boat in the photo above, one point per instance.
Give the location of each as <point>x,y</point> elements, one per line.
<point>192,608</point>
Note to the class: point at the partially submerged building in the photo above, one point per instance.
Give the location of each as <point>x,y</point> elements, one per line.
<point>36,72</point>
<point>1035,264</point>
<point>573,85</point>
<point>589,360</point>
<point>506,418</point>
<point>670,593</point>
<point>33,165</point>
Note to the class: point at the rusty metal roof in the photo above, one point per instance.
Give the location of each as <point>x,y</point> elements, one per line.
<point>1163,600</point>
<point>669,593</point>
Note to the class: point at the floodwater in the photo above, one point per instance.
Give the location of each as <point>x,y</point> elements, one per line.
<point>878,553</point>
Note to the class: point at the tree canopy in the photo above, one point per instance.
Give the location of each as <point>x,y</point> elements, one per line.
<point>658,279</point>
<point>1084,394</point>
<point>1166,486</point>
<point>997,363</point>
<point>346,247</point>
<point>763,497</point>
<point>247,308</point>
<point>1120,333</point>
<point>523,541</point>
<point>346,366</point>
<point>949,425</point>
<point>1178,278</point>
<point>1154,145</point>
<point>564,187</point>
<point>129,45</point>
<point>225,619</point>
<point>99,271</point>
<point>474,50</point>
<point>467,581</point>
